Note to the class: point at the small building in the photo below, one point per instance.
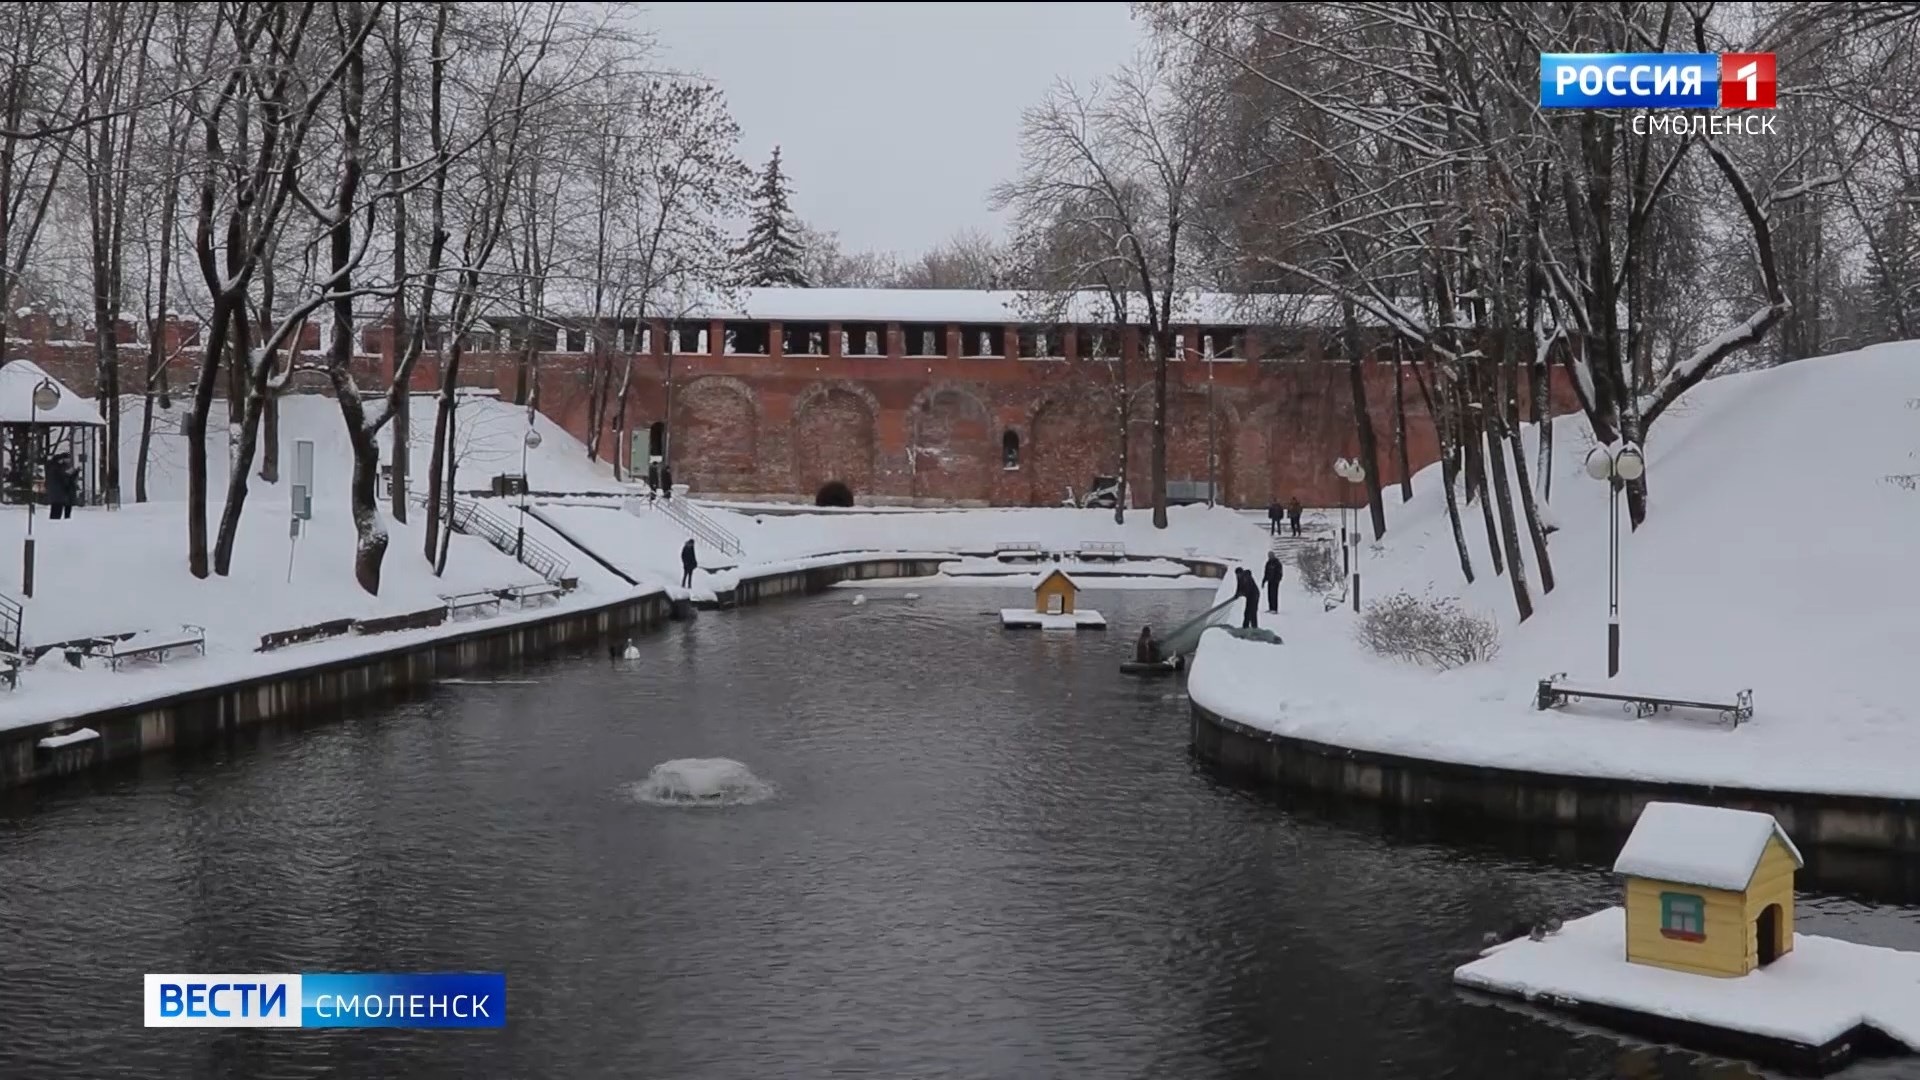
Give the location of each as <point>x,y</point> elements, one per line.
<point>41,418</point>
<point>1709,890</point>
<point>1055,594</point>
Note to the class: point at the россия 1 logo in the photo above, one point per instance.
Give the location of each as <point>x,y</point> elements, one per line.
<point>1657,81</point>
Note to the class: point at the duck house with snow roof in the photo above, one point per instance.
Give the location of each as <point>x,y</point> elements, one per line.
<point>1055,607</point>
<point>1709,890</point>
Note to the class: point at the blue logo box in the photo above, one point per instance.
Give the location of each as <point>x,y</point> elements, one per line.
<point>1629,80</point>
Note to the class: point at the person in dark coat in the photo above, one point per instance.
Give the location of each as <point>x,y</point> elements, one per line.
<point>1275,514</point>
<point>1146,650</point>
<point>1270,577</point>
<point>60,487</point>
<point>688,564</point>
<point>1293,514</point>
<point>653,480</point>
<point>1248,590</point>
<point>666,482</point>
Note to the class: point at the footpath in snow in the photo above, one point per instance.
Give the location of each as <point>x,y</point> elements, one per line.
<point>1818,993</point>
<point>1776,556</point>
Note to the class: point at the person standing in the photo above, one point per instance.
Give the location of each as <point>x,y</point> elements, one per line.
<point>60,485</point>
<point>1274,516</point>
<point>1271,579</point>
<point>688,564</point>
<point>666,482</point>
<point>1293,515</point>
<point>1248,590</point>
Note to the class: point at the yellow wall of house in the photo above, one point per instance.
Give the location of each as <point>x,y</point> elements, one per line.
<point>1772,884</point>
<point>1727,949</point>
<point>1054,588</point>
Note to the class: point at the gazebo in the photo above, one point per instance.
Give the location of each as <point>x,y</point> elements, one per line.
<point>41,417</point>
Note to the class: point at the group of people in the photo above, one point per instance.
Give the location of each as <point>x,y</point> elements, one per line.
<point>1248,588</point>
<point>659,481</point>
<point>1288,514</point>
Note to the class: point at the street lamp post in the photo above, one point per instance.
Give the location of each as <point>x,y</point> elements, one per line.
<point>530,442</point>
<point>1352,472</point>
<point>45,396</point>
<point>1618,467</point>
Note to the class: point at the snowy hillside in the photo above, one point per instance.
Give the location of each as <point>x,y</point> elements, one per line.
<point>1776,556</point>
<point>487,431</point>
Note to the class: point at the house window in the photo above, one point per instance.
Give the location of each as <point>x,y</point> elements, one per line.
<point>1683,916</point>
<point>1010,450</point>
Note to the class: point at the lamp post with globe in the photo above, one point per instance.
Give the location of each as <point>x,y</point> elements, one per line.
<point>1350,470</point>
<point>46,396</point>
<point>530,442</point>
<point>1618,467</point>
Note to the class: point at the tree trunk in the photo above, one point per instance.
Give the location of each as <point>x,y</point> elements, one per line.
<point>440,470</point>
<point>1162,341</point>
<point>270,437</point>
<point>401,417</point>
<point>1542,387</point>
<point>1474,438</point>
<point>237,481</point>
<point>1503,499</point>
<point>1368,442</point>
<point>196,433</point>
<point>453,473</point>
<point>1446,430</point>
<point>1400,426</point>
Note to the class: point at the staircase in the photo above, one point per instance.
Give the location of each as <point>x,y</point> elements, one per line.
<point>473,519</point>
<point>1287,546</point>
<point>694,520</point>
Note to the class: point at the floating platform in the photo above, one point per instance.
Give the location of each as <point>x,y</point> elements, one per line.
<point>1814,1009</point>
<point>1027,619</point>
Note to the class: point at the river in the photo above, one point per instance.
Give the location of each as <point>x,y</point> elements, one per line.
<point>988,856</point>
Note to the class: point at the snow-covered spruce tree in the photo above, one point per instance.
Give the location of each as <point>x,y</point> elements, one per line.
<point>772,254</point>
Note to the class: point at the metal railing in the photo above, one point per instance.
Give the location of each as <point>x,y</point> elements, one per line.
<point>11,616</point>
<point>694,520</point>
<point>473,519</point>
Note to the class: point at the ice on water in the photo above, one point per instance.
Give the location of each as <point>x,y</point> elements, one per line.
<point>702,782</point>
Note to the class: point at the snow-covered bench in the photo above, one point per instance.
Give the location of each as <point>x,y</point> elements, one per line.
<point>1552,693</point>
<point>545,590</point>
<point>1102,551</point>
<point>278,639</point>
<point>1019,551</point>
<point>471,601</point>
<point>150,645</point>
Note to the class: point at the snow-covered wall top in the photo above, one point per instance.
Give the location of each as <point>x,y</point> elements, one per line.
<point>1004,306</point>
<point>20,378</point>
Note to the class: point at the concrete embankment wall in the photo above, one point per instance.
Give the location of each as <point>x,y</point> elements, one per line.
<point>328,690</point>
<point>1263,759</point>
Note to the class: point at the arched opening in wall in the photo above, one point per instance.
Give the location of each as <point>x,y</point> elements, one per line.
<point>657,439</point>
<point>1010,450</point>
<point>833,493</point>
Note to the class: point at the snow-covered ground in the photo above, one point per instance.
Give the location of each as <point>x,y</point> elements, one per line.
<point>1816,993</point>
<point>112,572</point>
<point>1776,556</point>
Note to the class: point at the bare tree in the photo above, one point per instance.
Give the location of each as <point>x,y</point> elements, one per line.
<point>1129,162</point>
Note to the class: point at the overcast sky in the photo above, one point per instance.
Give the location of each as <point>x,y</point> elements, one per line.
<point>893,120</point>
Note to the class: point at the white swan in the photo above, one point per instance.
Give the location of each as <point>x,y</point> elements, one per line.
<point>631,653</point>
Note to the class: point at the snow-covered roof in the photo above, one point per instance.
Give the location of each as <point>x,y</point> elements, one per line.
<point>1708,846</point>
<point>997,307</point>
<point>1062,575</point>
<point>20,378</point>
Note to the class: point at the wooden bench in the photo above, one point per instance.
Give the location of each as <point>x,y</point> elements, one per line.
<point>471,601</point>
<point>1102,551</point>
<point>411,620</point>
<point>298,635</point>
<point>1552,692</point>
<point>545,590</point>
<point>155,646</point>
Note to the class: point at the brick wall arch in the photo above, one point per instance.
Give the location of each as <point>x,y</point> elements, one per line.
<point>952,446</point>
<point>717,418</point>
<point>833,437</point>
